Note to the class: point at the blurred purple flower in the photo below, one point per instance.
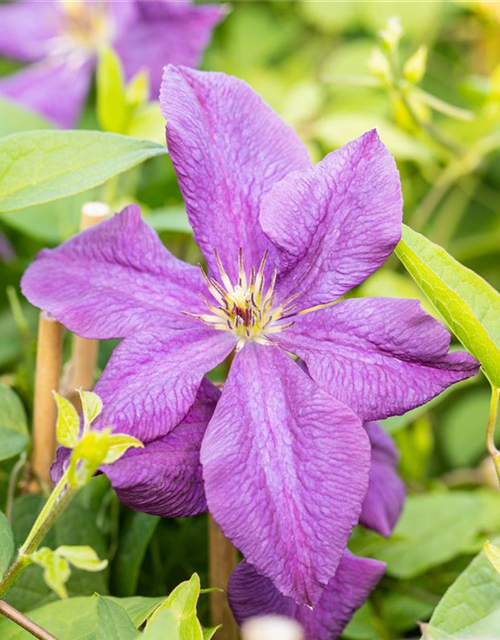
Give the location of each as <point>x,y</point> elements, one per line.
<point>7,253</point>
<point>62,39</point>
<point>285,461</point>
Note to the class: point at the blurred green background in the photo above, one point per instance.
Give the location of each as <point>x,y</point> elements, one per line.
<point>313,61</point>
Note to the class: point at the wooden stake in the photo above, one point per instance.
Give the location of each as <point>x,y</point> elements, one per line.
<point>223,559</point>
<point>48,370</point>
<point>84,351</point>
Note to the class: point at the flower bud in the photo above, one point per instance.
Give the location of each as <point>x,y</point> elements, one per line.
<point>416,65</point>
<point>392,33</point>
<point>272,628</point>
<point>93,447</point>
<point>379,65</point>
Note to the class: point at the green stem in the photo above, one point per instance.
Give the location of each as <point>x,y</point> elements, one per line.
<point>11,490</point>
<point>429,128</point>
<point>490,431</point>
<point>58,500</point>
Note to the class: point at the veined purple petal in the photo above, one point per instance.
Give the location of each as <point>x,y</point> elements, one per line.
<point>251,595</point>
<point>167,32</point>
<point>54,88</point>
<point>386,493</point>
<point>152,379</point>
<point>27,27</point>
<point>336,223</point>
<point>228,148</point>
<point>113,280</point>
<point>165,478</point>
<point>286,470</point>
<point>379,356</point>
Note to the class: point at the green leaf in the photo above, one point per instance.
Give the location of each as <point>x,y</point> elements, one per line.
<point>12,346</point>
<point>52,222</point>
<point>182,604</point>
<point>76,526</point>
<point>68,422</point>
<point>431,633</point>
<point>76,618</point>
<point>135,536</point>
<point>15,118</point>
<point>163,627</point>
<point>433,529</point>
<point>463,443</point>
<point>468,304</point>
<point>120,443</point>
<point>470,609</point>
<point>82,557</point>
<point>41,166</point>
<point>209,632</point>
<point>147,122</point>
<point>400,610</point>
<point>56,570</point>
<point>91,405</point>
<point>169,219</point>
<point>112,109</point>
<point>113,622</point>
<point>13,424</point>
<point>6,544</point>
<point>493,554</point>
<point>138,90</point>
<point>365,625</point>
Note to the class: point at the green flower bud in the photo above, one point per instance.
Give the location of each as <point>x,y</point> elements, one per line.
<point>416,65</point>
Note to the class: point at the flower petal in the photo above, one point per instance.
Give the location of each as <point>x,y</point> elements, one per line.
<point>379,356</point>
<point>286,470</point>
<point>337,223</point>
<point>168,32</point>
<point>251,595</point>
<point>53,88</point>
<point>228,148</point>
<point>386,493</point>
<point>27,29</point>
<point>152,379</point>
<point>165,478</point>
<point>113,280</point>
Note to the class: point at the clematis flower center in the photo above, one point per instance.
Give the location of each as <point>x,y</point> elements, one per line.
<point>247,308</point>
<point>85,27</point>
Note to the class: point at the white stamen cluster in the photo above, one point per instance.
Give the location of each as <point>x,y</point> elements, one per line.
<point>245,308</point>
<point>85,28</point>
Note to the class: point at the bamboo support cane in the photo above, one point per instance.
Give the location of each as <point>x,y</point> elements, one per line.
<point>223,559</point>
<point>84,351</point>
<point>48,370</point>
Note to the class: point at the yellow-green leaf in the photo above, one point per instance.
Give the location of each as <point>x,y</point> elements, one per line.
<point>467,303</point>
<point>182,604</point>
<point>91,405</point>
<point>137,91</point>
<point>41,166</point>
<point>56,570</point>
<point>119,444</point>
<point>82,558</point>
<point>493,554</point>
<point>112,109</point>
<point>68,422</point>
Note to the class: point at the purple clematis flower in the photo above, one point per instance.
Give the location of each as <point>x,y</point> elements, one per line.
<point>251,594</point>
<point>62,39</point>
<point>285,460</point>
